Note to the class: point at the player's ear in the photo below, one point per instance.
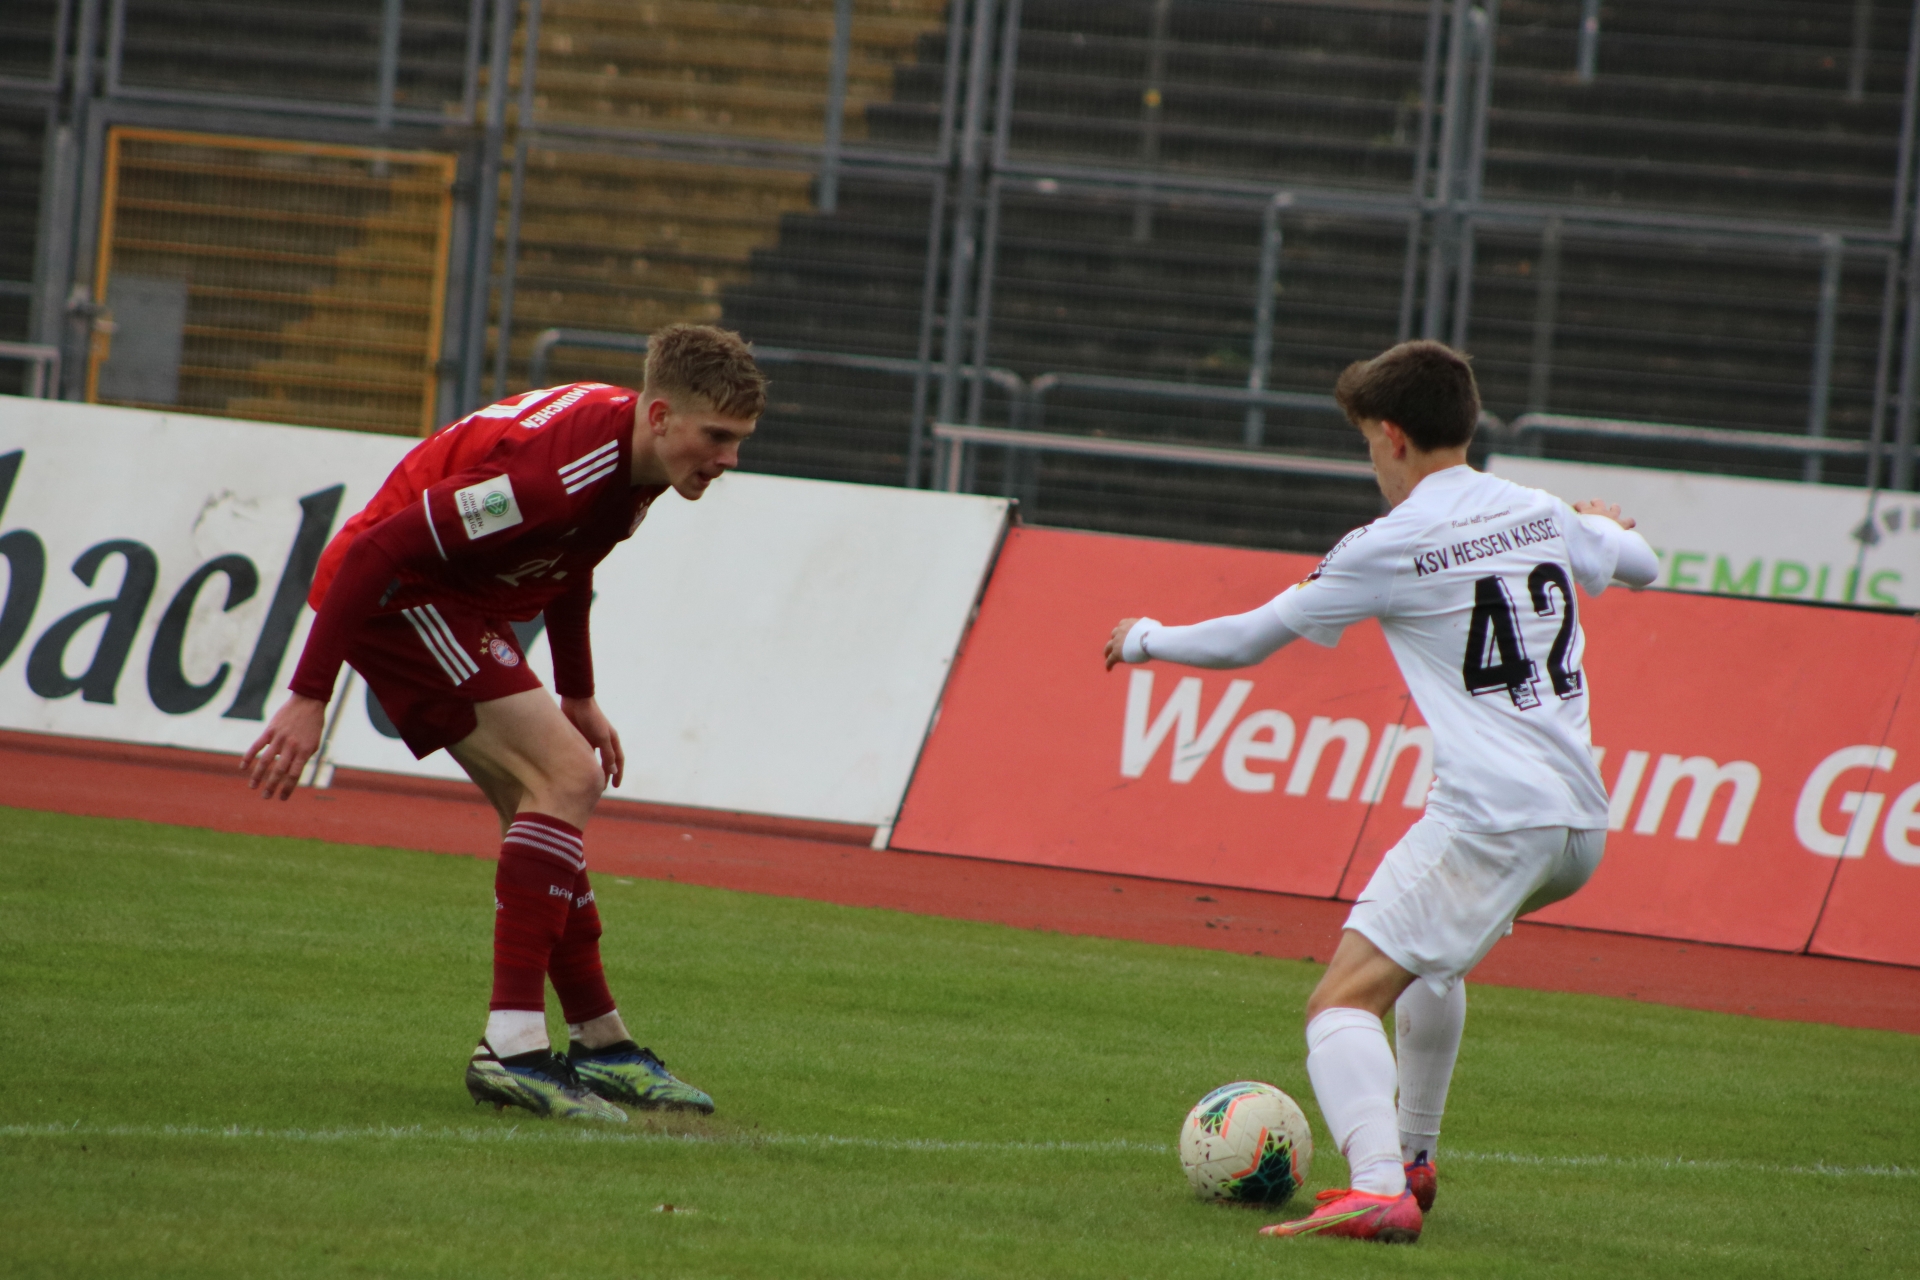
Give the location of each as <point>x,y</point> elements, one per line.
<point>658,410</point>
<point>1396,437</point>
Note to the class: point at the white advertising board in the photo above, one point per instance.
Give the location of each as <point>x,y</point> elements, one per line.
<point>778,647</point>
<point>157,566</point>
<point>1730,536</point>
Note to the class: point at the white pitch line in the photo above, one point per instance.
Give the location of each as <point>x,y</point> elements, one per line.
<point>558,1134</point>
<point>1683,1163</point>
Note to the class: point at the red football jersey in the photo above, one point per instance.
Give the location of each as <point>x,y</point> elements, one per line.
<point>520,496</point>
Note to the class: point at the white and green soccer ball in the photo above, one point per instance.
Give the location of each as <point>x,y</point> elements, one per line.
<point>1246,1143</point>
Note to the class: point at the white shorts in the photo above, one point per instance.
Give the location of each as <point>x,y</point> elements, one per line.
<point>1442,898</point>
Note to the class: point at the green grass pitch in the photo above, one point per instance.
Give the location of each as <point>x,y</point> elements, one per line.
<point>227,1055</point>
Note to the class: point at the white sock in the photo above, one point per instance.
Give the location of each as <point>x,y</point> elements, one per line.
<point>1427,1037</point>
<point>577,1031</point>
<point>1351,1067</point>
<point>516,1031</point>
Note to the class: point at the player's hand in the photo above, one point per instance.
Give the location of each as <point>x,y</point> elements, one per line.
<point>586,716</point>
<point>1601,507</point>
<point>1117,642</point>
<point>274,762</point>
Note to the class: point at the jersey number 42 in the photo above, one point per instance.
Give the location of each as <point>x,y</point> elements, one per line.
<point>1496,659</point>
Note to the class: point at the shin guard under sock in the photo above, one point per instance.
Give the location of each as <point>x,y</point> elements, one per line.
<point>533,895</point>
<point>578,979</point>
<point>1351,1067</point>
<point>1427,1041</point>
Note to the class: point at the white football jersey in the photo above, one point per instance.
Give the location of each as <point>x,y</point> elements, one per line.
<point>1472,579</point>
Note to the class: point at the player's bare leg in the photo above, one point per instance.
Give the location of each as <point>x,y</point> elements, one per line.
<point>1360,976</point>
<point>1352,1069</point>
<point>524,755</point>
<point>543,777</point>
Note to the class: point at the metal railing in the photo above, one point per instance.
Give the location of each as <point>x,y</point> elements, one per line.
<point>548,339</point>
<point>1256,399</point>
<point>974,154</point>
<point>976,163</point>
<point>1026,400</point>
<point>1516,433</point>
<point>43,366</point>
<point>957,436</point>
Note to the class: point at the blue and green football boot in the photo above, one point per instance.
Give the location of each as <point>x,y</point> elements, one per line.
<point>624,1072</point>
<point>542,1082</point>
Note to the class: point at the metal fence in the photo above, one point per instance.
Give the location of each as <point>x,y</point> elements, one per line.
<point>1169,221</point>
<point>252,278</point>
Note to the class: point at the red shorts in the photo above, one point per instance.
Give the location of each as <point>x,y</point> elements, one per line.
<point>429,663</point>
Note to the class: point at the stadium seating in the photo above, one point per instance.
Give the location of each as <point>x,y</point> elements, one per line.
<point>615,242</point>
<point>1736,111</point>
<point>325,50</point>
<point>1714,109</point>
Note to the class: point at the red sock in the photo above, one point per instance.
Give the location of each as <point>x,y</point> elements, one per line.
<point>533,896</point>
<point>575,968</point>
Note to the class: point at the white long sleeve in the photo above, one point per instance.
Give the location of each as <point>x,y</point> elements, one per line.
<point>1602,553</point>
<point>1237,641</point>
<point>1637,566</point>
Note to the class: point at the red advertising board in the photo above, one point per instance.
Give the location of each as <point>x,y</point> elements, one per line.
<point>1714,714</point>
<point>1870,815</point>
<point>1040,755</point>
<point>1725,727</point>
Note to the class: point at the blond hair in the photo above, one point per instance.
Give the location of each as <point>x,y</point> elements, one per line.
<point>707,363</point>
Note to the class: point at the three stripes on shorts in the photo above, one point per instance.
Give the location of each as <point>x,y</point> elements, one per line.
<point>437,636</point>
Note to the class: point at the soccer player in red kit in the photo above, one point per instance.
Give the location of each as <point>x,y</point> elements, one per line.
<point>499,518</point>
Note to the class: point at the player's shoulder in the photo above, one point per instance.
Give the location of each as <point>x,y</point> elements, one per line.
<point>590,407</point>
<point>1362,552</point>
<point>538,415</point>
<point>1461,498</point>
<point>580,423</point>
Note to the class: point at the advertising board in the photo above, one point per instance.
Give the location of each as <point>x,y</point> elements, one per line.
<point>1863,812</point>
<point>1259,778</point>
<point>778,647</point>
<point>1728,731</point>
<point>1780,540</point>
<point>157,566</point>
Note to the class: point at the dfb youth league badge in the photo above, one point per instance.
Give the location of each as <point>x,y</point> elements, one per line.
<point>487,507</point>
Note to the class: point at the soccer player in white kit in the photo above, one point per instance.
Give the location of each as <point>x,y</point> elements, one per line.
<point>1472,578</point>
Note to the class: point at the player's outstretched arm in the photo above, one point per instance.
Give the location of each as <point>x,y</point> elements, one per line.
<point>1634,563</point>
<point>1601,507</point>
<point>275,760</point>
<point>586,716</point>
<point>1240,640</point>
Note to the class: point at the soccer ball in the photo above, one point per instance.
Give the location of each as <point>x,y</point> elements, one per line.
<point>1246,1143</point>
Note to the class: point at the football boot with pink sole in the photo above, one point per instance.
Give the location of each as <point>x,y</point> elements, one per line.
<point>1357,1215</point>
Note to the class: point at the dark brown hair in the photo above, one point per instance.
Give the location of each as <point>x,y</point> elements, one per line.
<point>707,363</point>
<point>1425,388</point>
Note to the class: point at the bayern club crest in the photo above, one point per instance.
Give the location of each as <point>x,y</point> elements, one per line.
<point>502,652</point>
